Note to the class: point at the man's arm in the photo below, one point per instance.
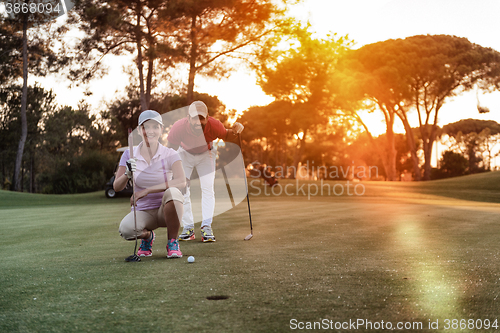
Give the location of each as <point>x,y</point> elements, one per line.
<point>171,145</point>
<point>232,133</point>
<point>175,134</point>
<point>235,130</point>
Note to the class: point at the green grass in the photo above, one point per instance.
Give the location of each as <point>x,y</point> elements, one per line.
<point>400,252</point>
<point>15,199</point>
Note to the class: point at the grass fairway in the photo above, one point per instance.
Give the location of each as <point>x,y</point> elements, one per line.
<point>398,253</point>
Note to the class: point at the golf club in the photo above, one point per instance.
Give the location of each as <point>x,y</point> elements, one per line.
<point>228,187</point>
<point>246,188</point>
<point>133,257</point>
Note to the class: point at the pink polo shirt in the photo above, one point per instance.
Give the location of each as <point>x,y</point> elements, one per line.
<point>181,134</point>
<point>157,172</point>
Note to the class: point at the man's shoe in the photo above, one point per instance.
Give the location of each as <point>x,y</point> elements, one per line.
<point>146,248</point>
<point>173,250</point>
<point>207,234</point>
<point>187,234</point>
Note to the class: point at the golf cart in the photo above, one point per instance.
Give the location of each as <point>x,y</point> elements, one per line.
<point>108,188</point>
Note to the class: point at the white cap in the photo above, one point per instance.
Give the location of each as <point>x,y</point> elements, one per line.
<point>198,108</point>
<point>148,115</point>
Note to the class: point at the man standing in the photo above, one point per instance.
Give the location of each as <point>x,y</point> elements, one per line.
<point>193,138</point>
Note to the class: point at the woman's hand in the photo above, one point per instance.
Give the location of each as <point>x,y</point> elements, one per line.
<point>138,195</point>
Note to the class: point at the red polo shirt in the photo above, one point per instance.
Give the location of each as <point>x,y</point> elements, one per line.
<point>181,134</point>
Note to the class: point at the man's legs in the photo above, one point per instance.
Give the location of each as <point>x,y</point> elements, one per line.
<point>205,167</point>
<point>206,170</point>
<point>188,164</point>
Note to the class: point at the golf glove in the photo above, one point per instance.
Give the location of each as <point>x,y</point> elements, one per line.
<point>237,128</point>
<point>131,166</point>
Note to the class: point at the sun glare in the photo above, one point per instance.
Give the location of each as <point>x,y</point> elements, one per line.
<point>436,291</point>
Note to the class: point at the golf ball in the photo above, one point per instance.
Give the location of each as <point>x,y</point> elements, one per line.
<point>191,259</point>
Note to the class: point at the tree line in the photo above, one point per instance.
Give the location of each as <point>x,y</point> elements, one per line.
<point>321,86</point>
<point>163,35</point>
<point>326,81</point>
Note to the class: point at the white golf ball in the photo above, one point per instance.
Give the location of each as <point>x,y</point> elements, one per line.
<point>191,259</point>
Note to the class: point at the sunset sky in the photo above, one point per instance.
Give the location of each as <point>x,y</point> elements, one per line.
<point>365,21</point>
<point>370,21</point>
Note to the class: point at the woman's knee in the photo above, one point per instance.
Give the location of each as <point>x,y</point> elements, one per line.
<point>127,231</point>
<point>172,194</point>
<point>127,228</point>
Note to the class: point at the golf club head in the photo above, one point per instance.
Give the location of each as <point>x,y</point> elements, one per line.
<point>133,258</point>
<point>248,237</point>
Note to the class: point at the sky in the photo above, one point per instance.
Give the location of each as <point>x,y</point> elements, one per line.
<point>365,21</point>
<point>370,21</point>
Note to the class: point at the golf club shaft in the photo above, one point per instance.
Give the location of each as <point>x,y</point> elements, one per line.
<point>131,150</point>
<point>228,187</point>
<point>246,185</point>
